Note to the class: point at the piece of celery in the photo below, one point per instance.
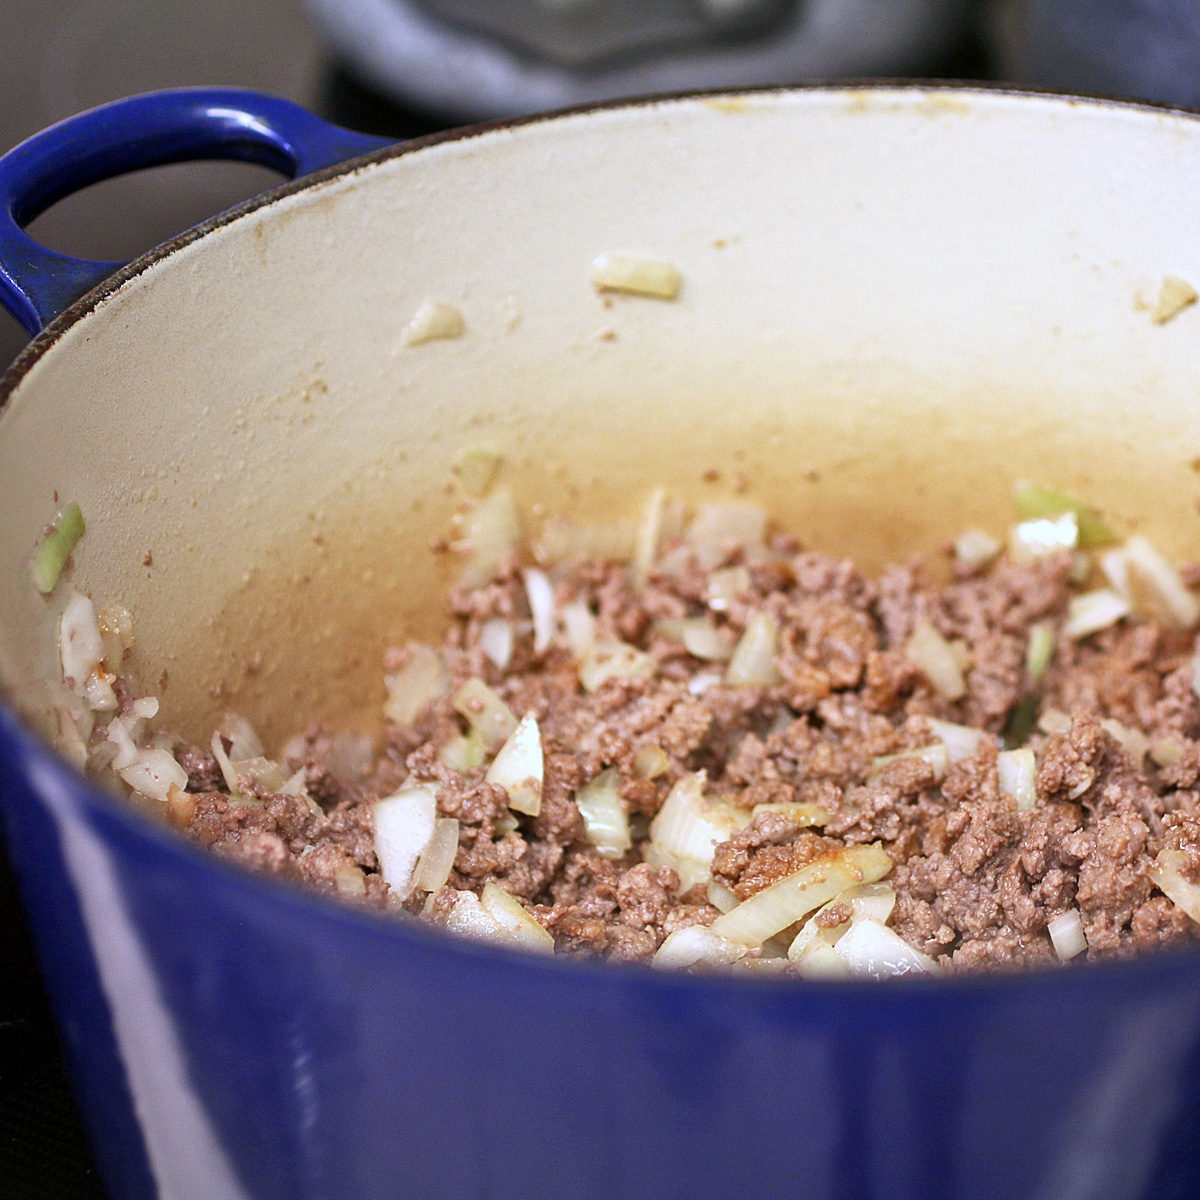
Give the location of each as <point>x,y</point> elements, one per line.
<point>51,556</point>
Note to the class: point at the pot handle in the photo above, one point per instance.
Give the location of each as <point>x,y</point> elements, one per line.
<point>181,125</point>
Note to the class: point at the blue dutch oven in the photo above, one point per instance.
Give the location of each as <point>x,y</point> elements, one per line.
<point>914,295</point>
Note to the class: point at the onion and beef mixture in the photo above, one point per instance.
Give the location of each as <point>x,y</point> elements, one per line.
<point>685,740</point>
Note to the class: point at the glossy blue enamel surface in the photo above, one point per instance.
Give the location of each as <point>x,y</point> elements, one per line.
<point>36,284</point>
<point>338,1054</point>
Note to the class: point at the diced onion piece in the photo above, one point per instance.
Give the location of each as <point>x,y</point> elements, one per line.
<point>1174,296</point>
<point>1066,934</point>
<point>1094,611</point>
<point>219,753</point>
<point>418,683</point>
<point>1038,649</point>
<point>1167,753</point>
<point>1017,770</point>
<point>690,870</point>
<point>790,899</point>
<point>540,594</point>
<point>819,960</point>
<point>973,548</point>
<point>1080,570</point>
<point>154,773</point>
<point>607,659</point>
<point>464,752</point>
<point>650,762</point>
<point>875,900</point>
<point>700,638</point>
<point>517,924</point>
<point>1134,741</point>
<point>1167,874</point>
<point>51,555</point>
<point>720,897</point>
<point>563,542</point>
<point>1115,567</point>
<point>755,658</point>
<point>1159,581</point>
<point>81,647</point>
<point>636,274</point>
<point>605,819</point>
<point>798,814</point>
<point>1031,540</point>
<point>649,536</point>
<point>404,824</point>
<point>725,586</point>
<point>145,708</point>
<point>468,918</point>
<point>518,768</point>
<point>491,534</point>
<point>871,949</point>
<point>437,859</point>
<point>718,526</point>
<point>263,770</point>
<point>1054,720</point>
<point>181,807</point>
<point>297,785</point>
<point>485,712</point>
<point>937,756</point>
<point>579,625</point>
<point>433,320</point>
<point>116,628</point>
<point>961,741</point>
<point>690,826</point>
<point>697,945</point>
<point>702,681</point>
<point>496,642</point>
<point>476,469</point>
<point>244,742</point>
<point>1033,502</point>
<point>70,741</point>
<point>933,656</point>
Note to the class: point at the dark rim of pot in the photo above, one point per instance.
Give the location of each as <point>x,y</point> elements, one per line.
<point>1153,968</point>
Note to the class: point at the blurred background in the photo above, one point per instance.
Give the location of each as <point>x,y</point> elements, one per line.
<point>406,67</point>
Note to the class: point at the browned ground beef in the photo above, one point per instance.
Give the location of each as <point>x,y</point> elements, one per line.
<point>976,880</point>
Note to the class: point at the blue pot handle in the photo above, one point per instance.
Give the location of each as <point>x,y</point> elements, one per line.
<point>183,125</point>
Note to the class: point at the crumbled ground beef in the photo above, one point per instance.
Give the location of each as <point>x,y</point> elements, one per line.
<point>977,879</point>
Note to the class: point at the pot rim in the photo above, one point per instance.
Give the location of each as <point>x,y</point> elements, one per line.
<point>1153,969</point>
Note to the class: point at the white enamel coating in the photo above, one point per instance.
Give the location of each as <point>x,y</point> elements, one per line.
<point>894,303</point>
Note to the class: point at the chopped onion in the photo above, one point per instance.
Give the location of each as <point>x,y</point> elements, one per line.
<point>464,752</point>
<point>933,656</point>
<point>263,770</point>
<point>468,918</point>
<point>874,900</point>
<point>697,945</point>
<point>819,960</point>
<point>1166,753</point>
<point>720,897</point>
<point>1115,566</point>
<point>1038,649</point>
<point>437,859</point>
<point>937,756</point>
<point>418,683</point>
<point>871,949</point>
<point>702,681</point>
<point>725,586</point>
<point>790,899</point>
<point>518,768</point>
<point>51,555</point>
<point>404,824</point>
<point>718,526</point>
<point>579,625</point>
<point>145,708</point>
<point>1033,502</point>
<point>603,816</point>
<point>1135,742</point>
<point>496,641</point>
<point>607,659</point>
<point>70,741</point>
<point>512,918</point>
<point>690,870</point>
<point>1167,874</point>
<point>485,712</point>
<point>476,469</point>
<point>153,774</point>
<point>1017,770</point>
<point>218,749</point>
<point>563,542</point>
<point>798,814</point>
<point>1152,575</point>
<point>491,534</point>
<point>1173,297</point>
<point>690,826</point>
<point>1031,540</point>
<point>116,629</point>
<point>700,638</point>
<point>961,741</point>
<point>433,320</point>
<point>243,741</point>
<point>1054,720</point>
<point>649,536</point>
<point>81,647</point>
<point>973,548</point>
<point>1066,934</point>
<point>1094,611</point>
<point>755,658</point>
<point>636,274</point>
<point>541,604</point>
<point>650,762</point>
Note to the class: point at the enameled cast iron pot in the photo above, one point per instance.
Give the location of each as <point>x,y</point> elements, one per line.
<point>895,302</point>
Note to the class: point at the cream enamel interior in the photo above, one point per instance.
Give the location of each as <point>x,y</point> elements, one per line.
<point>894,303</point>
